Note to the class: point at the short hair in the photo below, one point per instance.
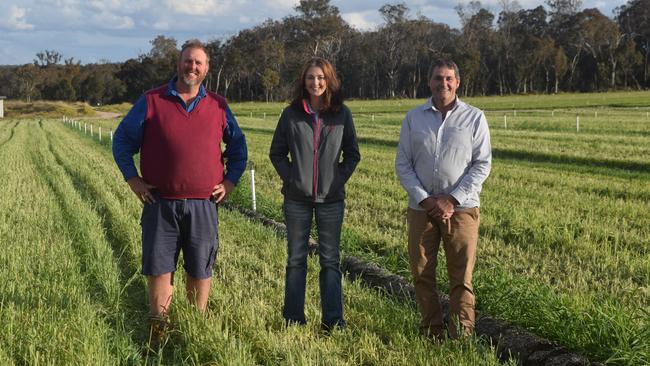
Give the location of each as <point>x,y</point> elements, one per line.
<point>332,98</point>
<point>195,44</point>
<point>444,63</point>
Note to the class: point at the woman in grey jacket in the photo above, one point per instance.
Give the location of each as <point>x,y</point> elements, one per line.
<point>314,150</point>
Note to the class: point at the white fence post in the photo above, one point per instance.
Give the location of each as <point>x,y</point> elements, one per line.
<point>91,130</point>
<point>100,133</point>
<point>253,186</point>
<point>111,133</point>
<point>505,121</point>
<point>577,123</point>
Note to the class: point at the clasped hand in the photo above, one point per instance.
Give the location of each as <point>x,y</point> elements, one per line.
<point>439,206</point>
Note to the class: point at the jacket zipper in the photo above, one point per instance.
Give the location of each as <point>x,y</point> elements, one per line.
<point>316,142</point>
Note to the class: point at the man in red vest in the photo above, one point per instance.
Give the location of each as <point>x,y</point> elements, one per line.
<point>178,129</point>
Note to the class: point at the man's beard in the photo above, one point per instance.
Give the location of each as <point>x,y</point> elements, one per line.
<point>191,81</point>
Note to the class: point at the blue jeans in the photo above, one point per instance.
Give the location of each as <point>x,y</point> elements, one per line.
<point>329,218</point>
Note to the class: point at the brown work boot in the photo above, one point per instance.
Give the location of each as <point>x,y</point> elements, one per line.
<point>159,327</point>
<point>433,333</point>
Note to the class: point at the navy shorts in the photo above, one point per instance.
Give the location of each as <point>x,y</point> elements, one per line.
<point>169,226</point>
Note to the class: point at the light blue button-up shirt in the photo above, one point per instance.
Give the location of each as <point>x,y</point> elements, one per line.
<point>453,156</point>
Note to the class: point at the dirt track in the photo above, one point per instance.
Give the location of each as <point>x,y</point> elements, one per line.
<point>105,115</point>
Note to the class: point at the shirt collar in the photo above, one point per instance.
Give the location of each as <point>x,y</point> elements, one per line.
<point>171,89</point>
<point>429,104</point>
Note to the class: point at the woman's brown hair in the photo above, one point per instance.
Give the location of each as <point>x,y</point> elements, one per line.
<point>332,99</point>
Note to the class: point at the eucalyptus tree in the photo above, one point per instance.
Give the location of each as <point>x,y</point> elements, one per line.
<point>164,56</point>
<point>358,65</point>
<point>505,46</point>
<point>215,52</point>
<point>427,41</point>
<point>99,84</point>
<point>317,30</point>
<point>138,75</point>
<point>634,20</point>
<point>477,48</point>
<point>568,35</point>
<point>602,39</point>
<point>393,38</point>
<point>25,82</point>
<point>630,60</point>
<point>47,58</point>
<point>533,45</point>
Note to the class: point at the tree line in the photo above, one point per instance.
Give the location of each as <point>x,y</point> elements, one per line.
<point>560,47</point>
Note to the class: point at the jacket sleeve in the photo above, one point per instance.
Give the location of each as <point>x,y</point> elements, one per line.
<point>128,138</point>
<point>350,148</point>
<point>279,152</point>
<point>236,152</point>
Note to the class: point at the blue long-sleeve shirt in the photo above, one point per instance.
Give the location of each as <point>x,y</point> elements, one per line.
<point>128,137</point>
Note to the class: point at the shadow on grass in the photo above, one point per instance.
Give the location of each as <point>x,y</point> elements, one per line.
<point>11,134</point>
<point>574,161</point>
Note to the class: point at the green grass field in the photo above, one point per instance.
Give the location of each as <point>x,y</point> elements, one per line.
<point>71,292</point>
<point>565,233</point>
<point>564,248</point>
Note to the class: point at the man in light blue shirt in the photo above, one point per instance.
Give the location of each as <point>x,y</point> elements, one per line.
<point>443,158</point>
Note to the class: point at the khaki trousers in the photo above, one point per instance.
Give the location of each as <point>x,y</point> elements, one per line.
<point>459,242</point>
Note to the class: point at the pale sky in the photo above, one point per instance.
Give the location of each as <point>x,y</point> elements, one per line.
<point>116,30</point>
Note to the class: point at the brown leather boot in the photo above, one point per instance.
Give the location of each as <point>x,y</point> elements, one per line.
<point>159,327</point>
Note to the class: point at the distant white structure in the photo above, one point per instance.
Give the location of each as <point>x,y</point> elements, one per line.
<point>2,106</point>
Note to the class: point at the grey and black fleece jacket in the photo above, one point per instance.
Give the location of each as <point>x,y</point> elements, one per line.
<point>306,152</point>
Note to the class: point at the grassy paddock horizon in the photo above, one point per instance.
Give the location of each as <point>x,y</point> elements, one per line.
<point>583,102</point>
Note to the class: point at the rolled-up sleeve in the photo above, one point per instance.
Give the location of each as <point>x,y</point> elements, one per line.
<point>127,139</point>
<point>236,152</point>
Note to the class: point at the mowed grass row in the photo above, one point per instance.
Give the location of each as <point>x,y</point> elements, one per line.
<point>71,292</point>
<point>565,225</point>
<point>59,297</point>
